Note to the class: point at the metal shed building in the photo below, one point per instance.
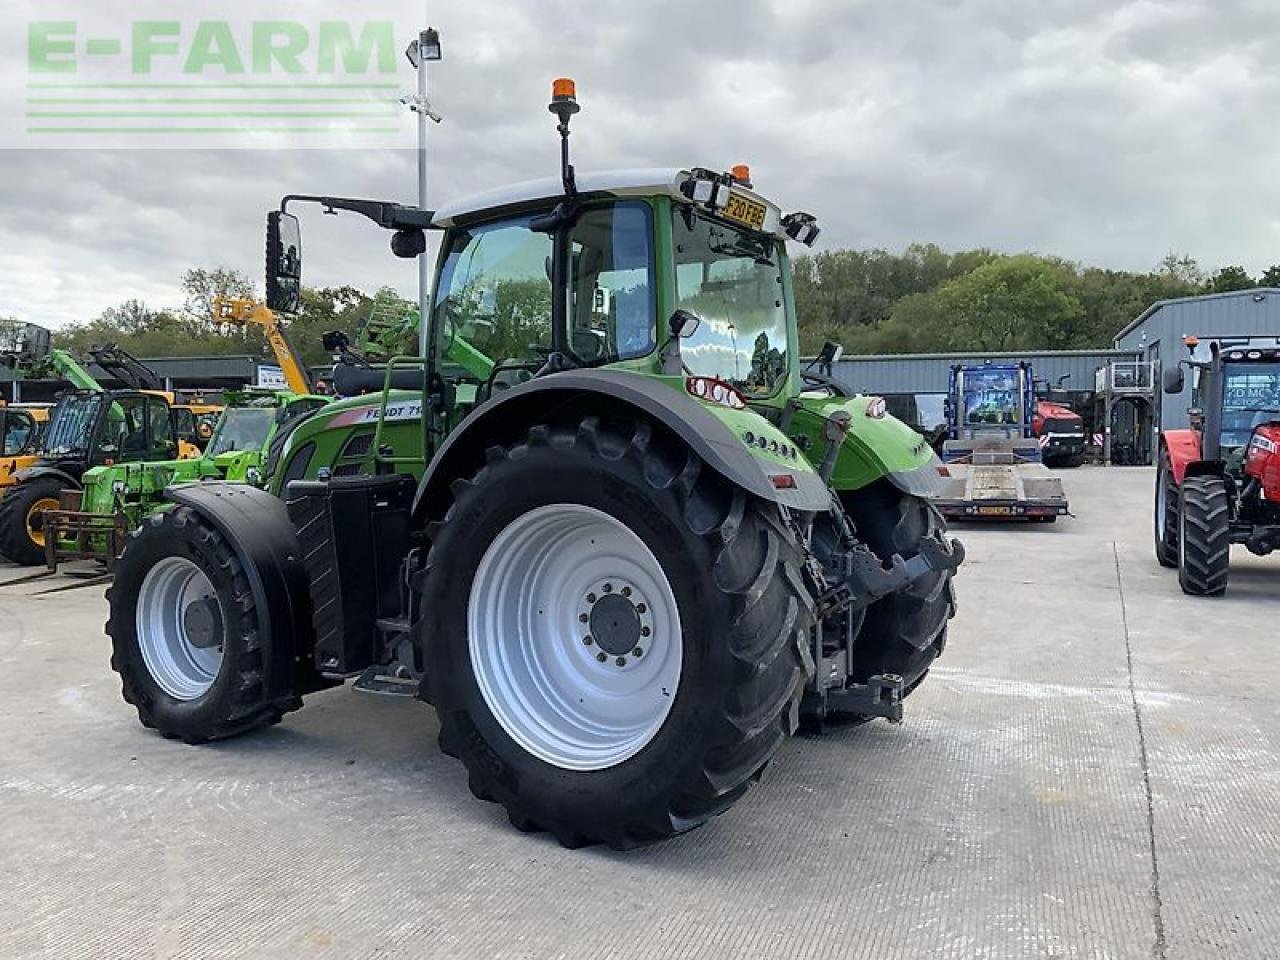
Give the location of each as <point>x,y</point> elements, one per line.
<point>927,372</point>
<point>1157,333</point>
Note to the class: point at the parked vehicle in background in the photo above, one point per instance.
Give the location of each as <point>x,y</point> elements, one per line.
<point>993,455</point>
<point>1218,482</point>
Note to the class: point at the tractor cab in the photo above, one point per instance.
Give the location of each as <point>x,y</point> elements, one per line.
<point>989,410</point>
<point>91,428</point>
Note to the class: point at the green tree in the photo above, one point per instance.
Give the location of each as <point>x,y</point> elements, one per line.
<point>1020,302</point>
<point>1230,278</point>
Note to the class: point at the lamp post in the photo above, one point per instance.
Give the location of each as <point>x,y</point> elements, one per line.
<point>423,50</point>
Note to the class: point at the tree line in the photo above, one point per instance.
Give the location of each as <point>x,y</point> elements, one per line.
<point>193,328</point>
<point>926,299</point>
<point>923,299</point>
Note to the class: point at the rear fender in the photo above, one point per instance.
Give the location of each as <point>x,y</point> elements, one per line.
<point>1184,452</point>
<point>717,434</point>
<point>257,526</point>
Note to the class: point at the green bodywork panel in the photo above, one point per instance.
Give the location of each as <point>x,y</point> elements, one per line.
<point>874,447</point>
<point>335,435</point>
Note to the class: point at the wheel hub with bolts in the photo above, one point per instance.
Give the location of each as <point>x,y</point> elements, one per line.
<point>618,620</point>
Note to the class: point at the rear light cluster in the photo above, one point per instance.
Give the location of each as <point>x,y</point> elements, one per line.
<point>1263,460</point>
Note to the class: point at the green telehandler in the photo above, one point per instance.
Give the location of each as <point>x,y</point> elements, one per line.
<point>622,548</point>
<point>90,426</point>
<point>93,521</point>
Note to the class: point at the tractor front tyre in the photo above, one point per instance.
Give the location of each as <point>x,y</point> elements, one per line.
<point>1204,536</point>
<point>22,520</point>
<point>185,633</point>
<point>1165,515</point>
<point>904,632</point>
<point>619,633</point>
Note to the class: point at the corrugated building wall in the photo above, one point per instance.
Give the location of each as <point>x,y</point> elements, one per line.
<point>1157,334</point>
<point>927,372</point>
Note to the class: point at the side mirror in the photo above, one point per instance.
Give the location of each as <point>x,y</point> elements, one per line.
<point>1173,379</point>
<point>684,324</point>
<point>284,262</point>
<point>335,341</point>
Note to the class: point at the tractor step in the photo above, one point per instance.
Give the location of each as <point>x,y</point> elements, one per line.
<point>382,680</point>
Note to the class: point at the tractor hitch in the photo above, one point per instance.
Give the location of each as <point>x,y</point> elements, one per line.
<point>863,579</point>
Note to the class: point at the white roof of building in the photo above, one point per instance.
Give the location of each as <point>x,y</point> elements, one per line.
<point>639,182</point>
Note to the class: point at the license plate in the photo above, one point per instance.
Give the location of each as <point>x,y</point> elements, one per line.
<point>995,511</point>
<point>744,211</point>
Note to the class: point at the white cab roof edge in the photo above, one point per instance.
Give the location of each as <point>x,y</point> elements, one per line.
<point>644,181</point>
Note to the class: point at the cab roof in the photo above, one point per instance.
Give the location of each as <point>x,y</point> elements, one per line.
<point>642,181</point>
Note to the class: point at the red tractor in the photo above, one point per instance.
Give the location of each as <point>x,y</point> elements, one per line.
<point>1218,482</point>
<point>1061,434</point>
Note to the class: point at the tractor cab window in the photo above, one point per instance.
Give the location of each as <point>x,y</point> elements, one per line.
<point>611,305</point>
<point>992,398</point>
<point>162,440</point>
<point>184,423</point>
<point>134,428</point>
<point>1250,397</point>
<point>71,424</point>
<point>242,428</point>
<point>732,279</point>
<point>19,431</point>
<point>493,302</point>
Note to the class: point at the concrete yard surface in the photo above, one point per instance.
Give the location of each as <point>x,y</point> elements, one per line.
<point>1092,770</point>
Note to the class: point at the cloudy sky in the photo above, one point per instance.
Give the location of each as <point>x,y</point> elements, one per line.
<point>1105,132</point>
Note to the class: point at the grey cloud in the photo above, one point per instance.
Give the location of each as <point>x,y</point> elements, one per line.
<point>1104,132</point>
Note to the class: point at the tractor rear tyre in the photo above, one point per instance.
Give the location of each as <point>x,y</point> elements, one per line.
<point>1165,518</point>
<point>1204,536</point>
<point>184,633</point>
<point>616,652</point>
<point>906,631</point>
<point>21,523</point>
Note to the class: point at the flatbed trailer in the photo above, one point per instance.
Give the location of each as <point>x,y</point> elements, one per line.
<point>1000,478</point>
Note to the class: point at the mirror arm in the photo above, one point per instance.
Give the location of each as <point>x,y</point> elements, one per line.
<point>389,216</point>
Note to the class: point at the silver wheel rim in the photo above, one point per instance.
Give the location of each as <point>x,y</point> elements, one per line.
<point>1162,506</point>
<point>1182,539</point>
<point>182,665</point>
<point>546,624</point>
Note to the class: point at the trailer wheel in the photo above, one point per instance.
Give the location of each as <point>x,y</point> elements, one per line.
<point>21,520</point>
<point>1165,514</point>
<point>616,651</point>
<point>184,633</point>
<point>1204,536</point>
<point>906,631</point>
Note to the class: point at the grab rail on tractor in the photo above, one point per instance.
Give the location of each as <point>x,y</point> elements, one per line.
<point>401,362</point>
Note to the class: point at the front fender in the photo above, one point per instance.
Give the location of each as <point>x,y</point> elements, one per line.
<point>874,447</point>
<point>257,526</point>
<point>1184,449</point>
<point>717,434</point>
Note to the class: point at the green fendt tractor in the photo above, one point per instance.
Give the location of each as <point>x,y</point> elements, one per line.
<point>643,544</point>
<point>92,523</point>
